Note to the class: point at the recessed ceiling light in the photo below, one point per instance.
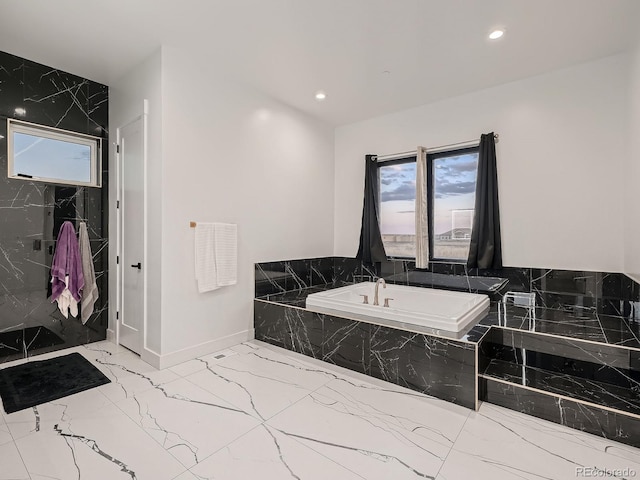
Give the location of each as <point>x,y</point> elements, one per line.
<point>496,34</point>
<point>320,95</point>
<point>19,111</point>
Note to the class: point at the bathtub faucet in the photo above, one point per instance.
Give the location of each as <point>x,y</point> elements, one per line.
<point>375,293</point>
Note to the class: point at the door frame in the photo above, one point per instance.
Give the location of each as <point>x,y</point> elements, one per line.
<point>120,227</point>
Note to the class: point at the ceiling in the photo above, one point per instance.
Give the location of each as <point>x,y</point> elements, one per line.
<point>430,49</point>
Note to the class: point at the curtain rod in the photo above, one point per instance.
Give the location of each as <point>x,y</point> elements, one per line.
<point>468,143</point>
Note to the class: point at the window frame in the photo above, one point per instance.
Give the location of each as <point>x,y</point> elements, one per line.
<point>431,158</point>
<point>52,133</point>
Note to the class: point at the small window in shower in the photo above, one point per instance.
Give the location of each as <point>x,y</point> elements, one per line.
<point>45,154</point>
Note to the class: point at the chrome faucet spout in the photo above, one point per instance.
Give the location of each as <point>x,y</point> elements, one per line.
<point>375,293</point>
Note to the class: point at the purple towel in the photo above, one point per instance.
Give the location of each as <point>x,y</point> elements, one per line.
<point>66,261</point>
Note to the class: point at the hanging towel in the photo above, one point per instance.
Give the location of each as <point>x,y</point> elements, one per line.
<point>90,290</point>
<point>226,253</point>
<point>66,271</point>
<point>205,257</point>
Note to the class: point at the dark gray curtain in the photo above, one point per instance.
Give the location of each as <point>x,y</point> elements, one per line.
<point>371,249</point>
<point>486,247</point>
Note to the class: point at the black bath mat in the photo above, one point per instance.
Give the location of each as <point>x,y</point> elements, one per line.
<point>33,338</point>
<point>42,381</point>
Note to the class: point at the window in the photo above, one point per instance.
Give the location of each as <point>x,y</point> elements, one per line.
<point>398,206</point>
<point>451,190</point>
<point>452,200</point>
<point>52,155</point>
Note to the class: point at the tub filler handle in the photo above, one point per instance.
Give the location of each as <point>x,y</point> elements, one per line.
<point>386,302</point>
<point>365,300</point>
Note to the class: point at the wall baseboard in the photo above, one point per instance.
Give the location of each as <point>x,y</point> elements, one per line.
<point>179,356</point>
<point>111,335</point>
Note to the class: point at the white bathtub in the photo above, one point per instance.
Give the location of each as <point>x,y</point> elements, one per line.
<point>429,310</point>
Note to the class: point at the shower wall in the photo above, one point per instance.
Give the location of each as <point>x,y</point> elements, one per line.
<point>31,213</point>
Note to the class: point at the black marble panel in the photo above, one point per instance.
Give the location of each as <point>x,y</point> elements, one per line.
<point>270,278</point>
<point>31,212</point>
<point>321,271</point>
<point>295,329</point>
<point>11,84</point>
<point>299,274</point>
<point>345,269</point>
<point>346,343</point>
<point>439,367</point>
<point>604,423</point>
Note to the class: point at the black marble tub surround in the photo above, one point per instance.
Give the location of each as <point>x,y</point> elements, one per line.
<point>31,212</point>
<point>605,293</point>
<point>443,368</point>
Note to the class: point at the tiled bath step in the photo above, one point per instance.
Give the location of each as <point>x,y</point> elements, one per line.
<point>596,385</point>
<point>600,421</point>
<point>586,395</point>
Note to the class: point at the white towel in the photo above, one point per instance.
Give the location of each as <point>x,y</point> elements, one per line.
<point>205,257</point>
<point>226,253</point>
<point>90,289</point>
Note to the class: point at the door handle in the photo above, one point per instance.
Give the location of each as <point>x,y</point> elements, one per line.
<point>138,266</point>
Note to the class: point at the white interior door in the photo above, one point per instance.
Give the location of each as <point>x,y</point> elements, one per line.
<point>131,142</point>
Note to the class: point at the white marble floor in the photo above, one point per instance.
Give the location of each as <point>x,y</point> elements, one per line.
<point>252,412</point>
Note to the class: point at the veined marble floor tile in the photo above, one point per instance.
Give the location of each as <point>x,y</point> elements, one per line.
<point>376,434</point>
<point>107,445</point>
<point>128,385</point>
<point>192,366</point>
<point>261,387</point>
<point>79,405</point>
<point>11,465</point>
<point>266,454</point>
<point>186,420</point>
<point>500,443</point>
<point>305,373</point>
<point>186,476</point>
<point>5,434</point>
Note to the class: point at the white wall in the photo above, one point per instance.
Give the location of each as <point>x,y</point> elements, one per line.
<point>126,97</point>
<point>232,154</point>
<point>561,157</point>
<point>632,175</point>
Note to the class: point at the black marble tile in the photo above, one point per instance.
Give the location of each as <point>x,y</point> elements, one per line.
<point>299,274</point>
<point>321,271</point>
<point>98,110</point>
<point>344,269</point>
<point>11,85</point>
<point>291,328</point>
<point>630,289</point>
<point>270,277</point>
<point>604,423</point>
<point>439,367</point>
<point>566,282</point>
<point>447,268</point>
<point>372,271</point>
<point>56,98</point>
<point>346,343</point>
